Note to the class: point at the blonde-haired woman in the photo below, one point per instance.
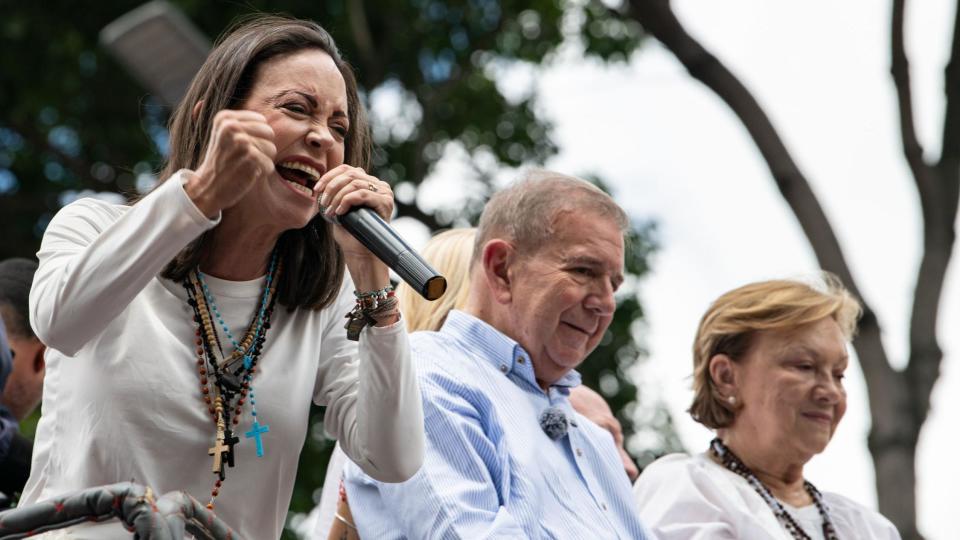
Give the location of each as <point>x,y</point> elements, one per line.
<point>769,360</point>
<point>450,252</point>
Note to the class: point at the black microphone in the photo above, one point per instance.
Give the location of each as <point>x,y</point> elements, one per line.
<point>383,241</point>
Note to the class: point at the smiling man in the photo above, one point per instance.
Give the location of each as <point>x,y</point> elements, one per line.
<point>507,456</point>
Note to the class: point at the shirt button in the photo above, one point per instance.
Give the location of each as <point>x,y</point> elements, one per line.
<point>579,452</point>
<point>503,368</point>
<point>520,360</point>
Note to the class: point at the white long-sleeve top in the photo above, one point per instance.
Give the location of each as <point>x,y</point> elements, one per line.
<point>122,396</point>
<point>684,497</point>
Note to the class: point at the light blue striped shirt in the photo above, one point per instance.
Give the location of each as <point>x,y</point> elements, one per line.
<point>490,471</point>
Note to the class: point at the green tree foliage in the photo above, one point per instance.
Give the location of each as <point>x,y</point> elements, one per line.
<point>75,122</point>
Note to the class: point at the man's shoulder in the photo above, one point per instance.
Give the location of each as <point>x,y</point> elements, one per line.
<point>439,353</point>
<point>446,367</point>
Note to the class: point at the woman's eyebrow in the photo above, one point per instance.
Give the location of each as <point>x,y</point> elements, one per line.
<point>793,349</point>
<point>307,96</point>
<point>279,95</point>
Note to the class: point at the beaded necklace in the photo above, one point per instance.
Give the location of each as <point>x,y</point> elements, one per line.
<point>232,376</point>
<point>733,463</point>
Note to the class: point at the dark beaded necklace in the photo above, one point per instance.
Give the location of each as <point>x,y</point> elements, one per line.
<point>231,376</point>
<point>733,463</point>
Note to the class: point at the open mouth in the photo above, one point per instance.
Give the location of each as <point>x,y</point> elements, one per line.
<point>299,175</point>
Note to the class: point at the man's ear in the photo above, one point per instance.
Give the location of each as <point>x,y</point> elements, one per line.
<point>497,257</point>
<point>196,110</point>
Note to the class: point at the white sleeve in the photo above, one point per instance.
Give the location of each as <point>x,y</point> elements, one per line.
<point>371,394</point>
<point>96,257</point>
<point>676,503</point>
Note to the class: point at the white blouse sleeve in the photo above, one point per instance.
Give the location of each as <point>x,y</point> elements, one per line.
<point>371,394</point>
<point>676,503</point>
<point>96,257</point>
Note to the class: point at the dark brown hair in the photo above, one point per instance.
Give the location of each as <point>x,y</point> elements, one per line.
<point>16,278</point>
<point>312,260</point>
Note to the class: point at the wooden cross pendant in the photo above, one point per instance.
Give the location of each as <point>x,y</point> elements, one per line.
<point>217,452</point>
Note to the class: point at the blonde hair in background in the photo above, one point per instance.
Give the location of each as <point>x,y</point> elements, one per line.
<point>730,323</point>
<point>450,253</point>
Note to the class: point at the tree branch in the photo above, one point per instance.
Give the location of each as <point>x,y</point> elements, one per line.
<point>950,152</point>
<point>360,29</point>
<point>900,70</point>
<point>658,19</point>
<point>938,190</point>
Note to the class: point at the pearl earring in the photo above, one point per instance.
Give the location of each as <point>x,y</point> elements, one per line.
<point>732,400</point>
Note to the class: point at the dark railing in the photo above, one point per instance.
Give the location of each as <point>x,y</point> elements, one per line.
<point>168,517</point>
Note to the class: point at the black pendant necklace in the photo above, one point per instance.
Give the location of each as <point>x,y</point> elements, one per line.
<point>733,463</point>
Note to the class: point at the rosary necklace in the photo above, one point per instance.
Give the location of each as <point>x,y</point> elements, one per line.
<point>232,376</point>
<point>733,463</point>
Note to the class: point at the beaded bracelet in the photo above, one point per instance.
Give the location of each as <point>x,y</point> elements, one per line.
<point>379,293</point>
<point>371,308</point>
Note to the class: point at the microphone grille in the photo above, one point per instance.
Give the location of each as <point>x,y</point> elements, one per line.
<point>412,268</point>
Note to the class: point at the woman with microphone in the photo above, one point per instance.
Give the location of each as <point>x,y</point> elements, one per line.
<point>189,332</point>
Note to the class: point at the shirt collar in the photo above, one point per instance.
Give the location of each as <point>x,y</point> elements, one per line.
<point>502,352</point>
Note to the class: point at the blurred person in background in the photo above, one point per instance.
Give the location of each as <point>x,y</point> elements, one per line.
<point>15,449</point>
<point>768,367</point>
<point>21,374</point>
<point>24,387</point>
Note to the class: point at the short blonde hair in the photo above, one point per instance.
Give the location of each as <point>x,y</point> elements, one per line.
<point>449,252</point>
<point>731,322</point>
